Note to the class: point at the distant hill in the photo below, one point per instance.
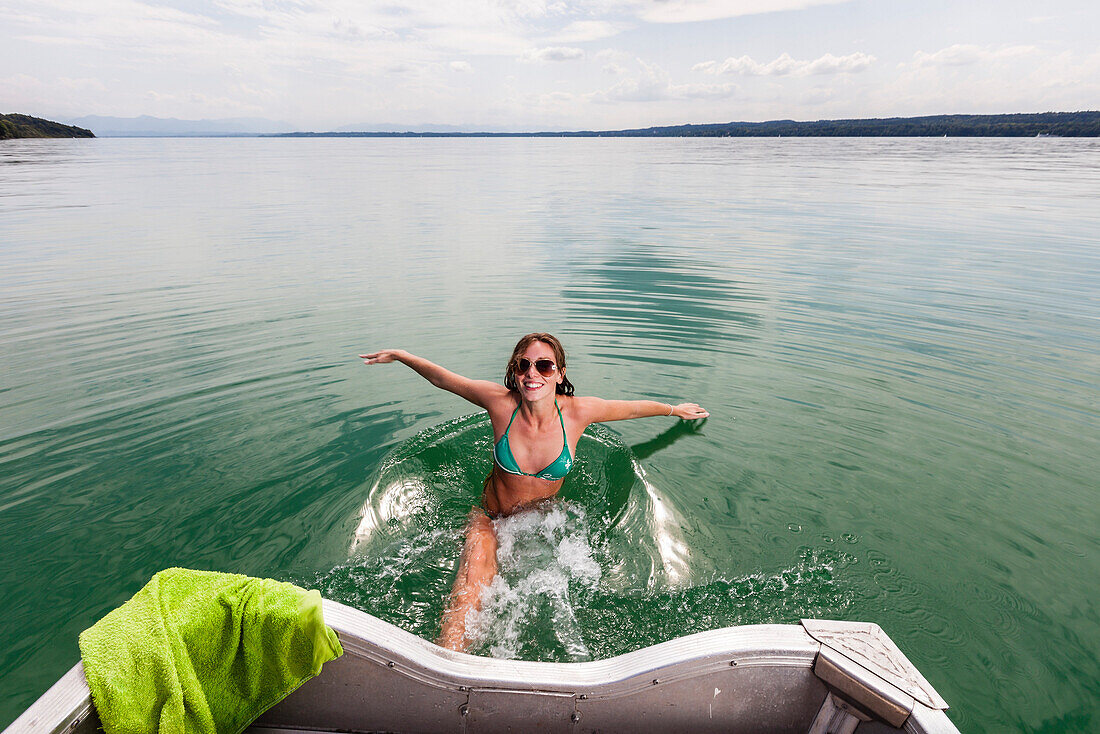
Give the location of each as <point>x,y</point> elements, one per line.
<point>25,126</point>
<point>156,127</point>
<point>1060,124</point>
<point>1054,124</point>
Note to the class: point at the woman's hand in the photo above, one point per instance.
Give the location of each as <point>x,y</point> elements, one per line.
<point>689,411</point>
<point>383,357</point>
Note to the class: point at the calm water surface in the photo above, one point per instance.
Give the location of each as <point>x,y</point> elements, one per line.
<point>897,341</point>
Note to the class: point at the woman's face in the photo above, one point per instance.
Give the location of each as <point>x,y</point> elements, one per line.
<point>532,384</point>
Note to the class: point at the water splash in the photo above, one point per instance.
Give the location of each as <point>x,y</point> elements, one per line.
<point>611,531</point>
<point>544,561</point>
<point>431,480</point>
<point>605,568</point>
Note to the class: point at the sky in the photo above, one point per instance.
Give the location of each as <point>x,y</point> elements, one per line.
<point>545,64</point>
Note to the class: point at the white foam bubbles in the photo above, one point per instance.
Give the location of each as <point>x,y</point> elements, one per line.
<point>544,560</point>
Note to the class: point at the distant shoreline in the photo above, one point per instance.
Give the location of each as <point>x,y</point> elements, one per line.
<point>19,127</point>
<point>1022,125</point>
<point>1083,124</point>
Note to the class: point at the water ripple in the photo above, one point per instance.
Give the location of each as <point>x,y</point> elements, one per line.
<point>896,340</point>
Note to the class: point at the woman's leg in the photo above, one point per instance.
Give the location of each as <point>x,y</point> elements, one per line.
<point>476,570</point>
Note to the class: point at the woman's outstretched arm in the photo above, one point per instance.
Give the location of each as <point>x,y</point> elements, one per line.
<point>478,392</point>
<point>598,410</point>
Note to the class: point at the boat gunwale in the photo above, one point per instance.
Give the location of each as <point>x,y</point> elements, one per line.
<point>68,702</point>
<point>779,645</point>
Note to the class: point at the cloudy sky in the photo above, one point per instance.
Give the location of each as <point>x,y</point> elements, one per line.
<point>545,64</point>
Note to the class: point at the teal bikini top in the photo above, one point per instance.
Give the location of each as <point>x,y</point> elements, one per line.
<point>502,455</point>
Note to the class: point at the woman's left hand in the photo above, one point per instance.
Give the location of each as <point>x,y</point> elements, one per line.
<point>689,411</point>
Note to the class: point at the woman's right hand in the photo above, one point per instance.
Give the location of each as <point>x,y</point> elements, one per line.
<point>689,411</point>
<point>382,357</point>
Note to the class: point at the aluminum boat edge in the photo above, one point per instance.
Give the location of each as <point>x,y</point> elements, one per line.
<point>817,677</point>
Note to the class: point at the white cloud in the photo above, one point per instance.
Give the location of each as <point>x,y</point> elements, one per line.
<point>690,11</point>
<point>348,29</point>
<point>556,97</point>
<point>55,40</point>
<point>552,53</point>
<point>785,64</point>
<point>652,84</point>
<point>580,31</point>
<point>817,96</point>
<point>18,85</point>
<point>332,62</point>
<point>615,55</point>
<point>963,54</point>
<point>247,8</point>
<point>1035,81</point>
<point>829,64</point>
<point>131,31</point>
<point>82,84</point>
<point>704,91</point>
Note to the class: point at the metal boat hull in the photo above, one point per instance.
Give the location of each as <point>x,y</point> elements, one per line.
<point>816,678</point>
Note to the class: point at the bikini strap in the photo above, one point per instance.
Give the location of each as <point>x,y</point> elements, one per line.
<point>510,421</point>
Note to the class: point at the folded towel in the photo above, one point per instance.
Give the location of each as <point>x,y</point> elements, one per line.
<point>196,651</point>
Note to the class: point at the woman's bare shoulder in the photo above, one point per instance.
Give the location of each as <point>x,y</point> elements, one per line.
<point>499,398</point>
<point>582,407</point>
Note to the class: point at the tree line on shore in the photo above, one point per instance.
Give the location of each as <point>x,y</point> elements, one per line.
<point>1060,124</point>
<point>1054,124</point>
<point>25,126</point>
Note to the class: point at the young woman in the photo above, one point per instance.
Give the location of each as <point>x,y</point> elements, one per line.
<point>537,421</point>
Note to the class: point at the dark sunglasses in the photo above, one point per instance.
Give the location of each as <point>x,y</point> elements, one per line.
<point>545,367</point>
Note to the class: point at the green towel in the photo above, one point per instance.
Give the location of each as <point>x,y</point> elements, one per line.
<point>196,651</point>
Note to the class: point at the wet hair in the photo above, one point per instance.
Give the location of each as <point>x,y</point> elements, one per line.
<point>565,387</point>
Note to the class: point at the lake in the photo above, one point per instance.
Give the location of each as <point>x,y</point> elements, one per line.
<point>897,340</point>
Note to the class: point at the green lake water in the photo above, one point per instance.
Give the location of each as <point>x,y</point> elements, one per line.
<point>897,341</point>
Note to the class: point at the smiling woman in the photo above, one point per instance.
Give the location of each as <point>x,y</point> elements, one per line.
<point>537,421</point>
